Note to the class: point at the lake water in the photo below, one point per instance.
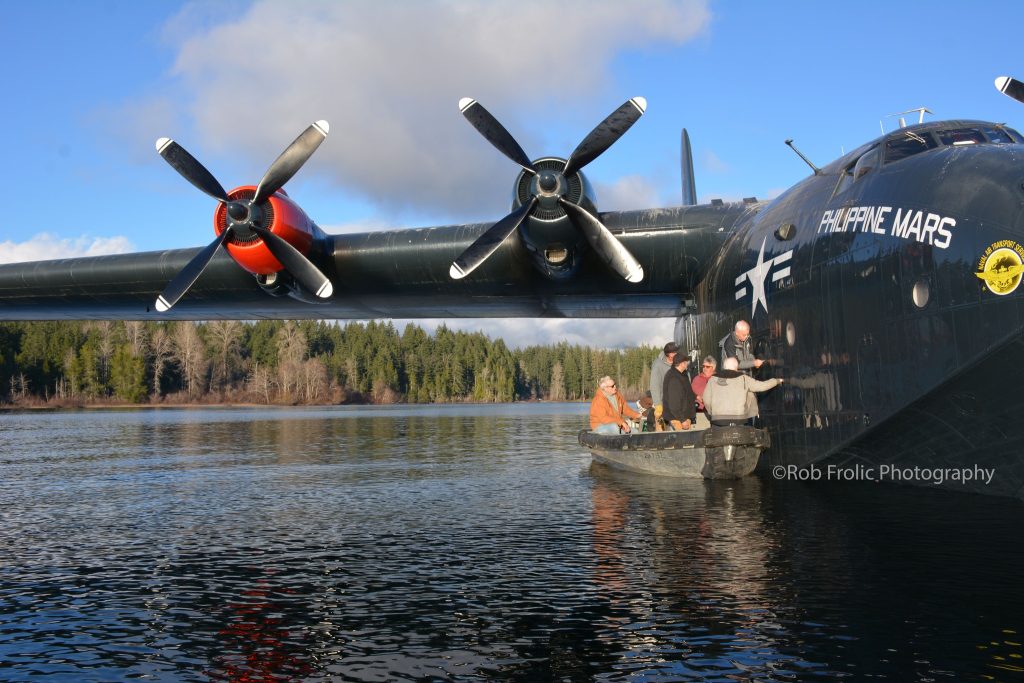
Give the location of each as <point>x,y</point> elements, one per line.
<point>471,543</point>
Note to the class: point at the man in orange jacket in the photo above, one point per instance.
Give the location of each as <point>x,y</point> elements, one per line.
<point>608,408</point>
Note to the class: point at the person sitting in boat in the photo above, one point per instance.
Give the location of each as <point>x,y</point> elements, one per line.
<point>608,410</point>
<point>679,408</point>
<point>729,395</point>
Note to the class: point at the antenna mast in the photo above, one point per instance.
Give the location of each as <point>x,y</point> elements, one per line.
<point>817,171</point>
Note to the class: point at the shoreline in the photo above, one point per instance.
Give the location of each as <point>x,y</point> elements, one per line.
<point>10,408</point>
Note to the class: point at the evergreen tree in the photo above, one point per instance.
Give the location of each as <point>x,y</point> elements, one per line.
<point>299,361</point>
<point>128,375</point>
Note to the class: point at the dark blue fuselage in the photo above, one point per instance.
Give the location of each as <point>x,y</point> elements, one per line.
<point>891,310</point>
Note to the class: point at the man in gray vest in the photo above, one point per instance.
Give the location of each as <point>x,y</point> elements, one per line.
<point>659,368</point>
<point>729,395</point>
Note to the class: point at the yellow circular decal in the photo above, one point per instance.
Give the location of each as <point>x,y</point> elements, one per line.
<point>1001,267</point>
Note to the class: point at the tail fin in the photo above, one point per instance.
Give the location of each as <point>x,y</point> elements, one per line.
<point>689,187</point>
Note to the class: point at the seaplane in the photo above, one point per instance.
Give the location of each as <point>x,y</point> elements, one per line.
<point>884,287</point>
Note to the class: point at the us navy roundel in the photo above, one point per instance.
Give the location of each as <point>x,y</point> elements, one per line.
<point>758,276</point>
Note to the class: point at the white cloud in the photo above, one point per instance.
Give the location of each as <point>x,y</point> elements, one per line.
<point>44,247</point>
<point>613,333</point>
<point>388,77</point>
<point>627,193</point>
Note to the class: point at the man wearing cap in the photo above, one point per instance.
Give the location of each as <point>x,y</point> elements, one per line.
<point>680,412</point>
<point>659,368</point>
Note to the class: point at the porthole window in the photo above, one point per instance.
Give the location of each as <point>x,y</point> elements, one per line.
<point>786,231</point>
<point>921,293</point>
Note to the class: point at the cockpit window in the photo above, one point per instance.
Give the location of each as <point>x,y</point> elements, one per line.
<point>867,162</point>
<point>1001,135</point>
<point>1012,133</point>
<point>908,144</point>
<point>864,164</point>
<point>961,136</point>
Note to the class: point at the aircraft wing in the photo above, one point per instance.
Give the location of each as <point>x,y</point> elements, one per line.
<point>388,274</point>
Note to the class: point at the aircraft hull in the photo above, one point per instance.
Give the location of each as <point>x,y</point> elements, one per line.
<point>843,421</point>
<point>968,433</point>
<point>895,353</point>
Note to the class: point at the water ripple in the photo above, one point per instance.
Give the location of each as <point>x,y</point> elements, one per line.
<point>470,543</point>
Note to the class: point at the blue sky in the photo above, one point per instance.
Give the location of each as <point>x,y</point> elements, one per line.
<point>91,85</point>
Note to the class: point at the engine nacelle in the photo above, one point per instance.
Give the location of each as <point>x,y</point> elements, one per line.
<point>279,214</point>
<point>555,244</point>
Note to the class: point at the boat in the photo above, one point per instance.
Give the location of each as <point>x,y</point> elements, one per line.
<point>712,453</point>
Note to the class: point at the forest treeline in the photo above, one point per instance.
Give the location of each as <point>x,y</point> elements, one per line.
<point>307,362</point>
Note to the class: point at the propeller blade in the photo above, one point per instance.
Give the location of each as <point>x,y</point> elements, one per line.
<point>291,160</point>
<point>490,128</point>
<point>604,242</point>
<point>487,243</point>
<point>605,135</point>
<point>187,276</point>
<point>1011,87</point>
<point>190,168</point>
<point>300,267</point>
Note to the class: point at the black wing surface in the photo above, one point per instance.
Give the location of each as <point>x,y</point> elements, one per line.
<point>385,274</point>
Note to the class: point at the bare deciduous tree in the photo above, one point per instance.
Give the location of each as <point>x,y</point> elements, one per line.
<point>260,382</point>
<point>314,377</point>
<point>225,337</point>
<point>135,333</point>
<point>190,355</point>
<point>557,391</point>
<point>291,351</point>
<point>163,352</point>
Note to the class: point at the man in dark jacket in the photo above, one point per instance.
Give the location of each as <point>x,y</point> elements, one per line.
<point>679,410</point>
<point>737,345</point>
<point>659,368</point>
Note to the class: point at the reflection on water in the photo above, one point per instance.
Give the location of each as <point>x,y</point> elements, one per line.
<point>471,542</point>
<point>685,568</point>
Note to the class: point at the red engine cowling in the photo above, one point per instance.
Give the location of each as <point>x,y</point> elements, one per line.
<point>281,216</point>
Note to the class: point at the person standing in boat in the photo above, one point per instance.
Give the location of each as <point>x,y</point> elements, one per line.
<point>679,410</point>
<point>659,368</point>
<point>737,344</point>
<point>707,369</point>
<point>608,410</point>
<point>729,395</point>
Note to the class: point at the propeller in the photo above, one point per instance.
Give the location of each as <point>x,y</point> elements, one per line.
<point>246,215</point>
<point>1010,87</point>
<point>551,188</point>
